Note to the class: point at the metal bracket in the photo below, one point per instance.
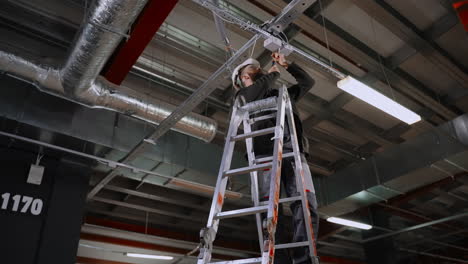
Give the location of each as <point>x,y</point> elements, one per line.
<point>292,11</point>
<point>315,260</point>
<point>207,236</point>
<point>149,141</point>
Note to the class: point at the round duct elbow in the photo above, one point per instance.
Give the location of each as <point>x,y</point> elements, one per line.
<point>104,94</point>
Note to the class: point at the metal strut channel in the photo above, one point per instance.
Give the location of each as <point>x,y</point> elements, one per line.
<point>252,27</point>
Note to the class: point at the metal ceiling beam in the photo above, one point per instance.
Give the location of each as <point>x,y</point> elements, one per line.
<point>161,236</point>
<point>32,23</point>
<point>332,111</point>
<point>160,222</point>
<point>436,30</point>
<point>191,218</point>
<point>385,14</point>
<point>412,228</point>
<point>329,110</point>
<point>156,198</point>
<point>291,12</point>
<point>336,144</point>
<point>142,32</point>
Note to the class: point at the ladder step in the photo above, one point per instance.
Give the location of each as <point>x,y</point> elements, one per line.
<point>257,133</point>
<point>240,261</point>
<point>248,169</point>
<point>284,200</point>
<point>260,118</point>
<point>260,104</point>
<point>242,212</point>
<point>286,155</point>
<point>292,245</point>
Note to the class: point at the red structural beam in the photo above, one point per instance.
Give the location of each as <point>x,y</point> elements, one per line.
<point>324,259</point>
<point>328,259</point>
<point>144,245</point>
<point>462,10</point>
<point>143,30</point>
<point>164,233</point>
<point>84,260</point>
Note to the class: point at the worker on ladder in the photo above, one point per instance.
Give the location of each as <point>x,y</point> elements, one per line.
<point>255,84</point>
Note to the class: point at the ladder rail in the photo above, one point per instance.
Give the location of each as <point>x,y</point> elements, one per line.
<point>300,186</point>
<point>253,176</point>
<point>221,183</point>
<point>272,215</point>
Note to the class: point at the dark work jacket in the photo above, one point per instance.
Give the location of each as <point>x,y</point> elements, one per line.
<point>263,88</point>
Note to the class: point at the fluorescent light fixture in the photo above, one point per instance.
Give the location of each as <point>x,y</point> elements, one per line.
<point>202,188</point>
<point>146,256</point>
<point>376,99</point>
<point>350,223</point>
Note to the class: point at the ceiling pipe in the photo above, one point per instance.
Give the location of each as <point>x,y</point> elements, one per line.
<point>104,95</point>
<point>107,23</point>
<point>78,79</point>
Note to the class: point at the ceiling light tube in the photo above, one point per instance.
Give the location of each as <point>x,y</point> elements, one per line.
<point>376,99</point>
<point>146,256</point>
<point>350,223</point>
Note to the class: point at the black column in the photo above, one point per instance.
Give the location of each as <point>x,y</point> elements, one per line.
<point>380,251</point>
<point>29,234</point>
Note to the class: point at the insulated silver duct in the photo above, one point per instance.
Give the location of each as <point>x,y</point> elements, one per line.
<point>105,95</point>
<point>104,28</point>
<point>78,79</point>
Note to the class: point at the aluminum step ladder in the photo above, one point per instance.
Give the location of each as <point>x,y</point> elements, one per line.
<point>277,107</point>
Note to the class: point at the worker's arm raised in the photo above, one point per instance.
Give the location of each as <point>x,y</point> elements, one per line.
<point>304,81</point>
<point>261,87</point>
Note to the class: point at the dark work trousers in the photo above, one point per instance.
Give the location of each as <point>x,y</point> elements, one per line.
<point>288,180</point>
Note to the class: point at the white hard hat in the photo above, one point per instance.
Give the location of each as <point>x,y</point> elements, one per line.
<point>236,81</point>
